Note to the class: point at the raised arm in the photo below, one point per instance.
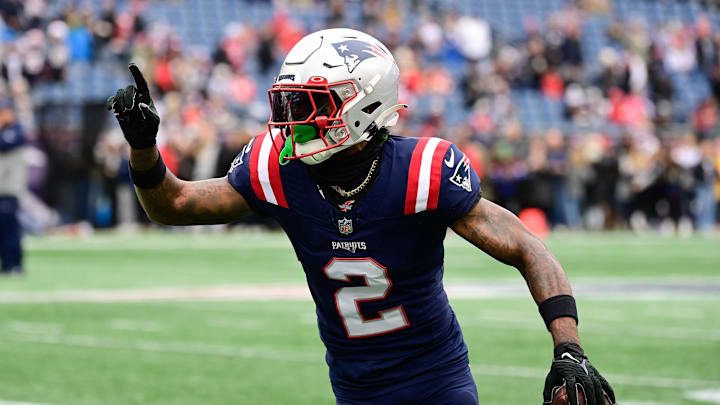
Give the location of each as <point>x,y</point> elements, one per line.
<point>167,199</point>
<point>500,234</point>
<point>178,202</point>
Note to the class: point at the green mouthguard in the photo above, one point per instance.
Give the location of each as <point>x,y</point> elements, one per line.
<point>302,134</point>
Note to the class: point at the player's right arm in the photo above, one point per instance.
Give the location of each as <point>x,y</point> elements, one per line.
<point>167,199</point>
<point>179,202</point>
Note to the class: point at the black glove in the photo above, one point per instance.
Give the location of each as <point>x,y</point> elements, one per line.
<point>572,368</point>
<point>135,111</point>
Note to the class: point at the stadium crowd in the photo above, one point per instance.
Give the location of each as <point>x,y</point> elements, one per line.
<point>625,154</point>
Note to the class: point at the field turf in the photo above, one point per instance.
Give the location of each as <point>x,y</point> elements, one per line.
<point>178,318</point>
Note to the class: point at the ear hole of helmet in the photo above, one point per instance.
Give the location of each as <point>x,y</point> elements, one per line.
<point>369,109</point>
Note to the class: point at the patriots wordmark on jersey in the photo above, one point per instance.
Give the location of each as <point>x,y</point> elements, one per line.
<point>374,271</point>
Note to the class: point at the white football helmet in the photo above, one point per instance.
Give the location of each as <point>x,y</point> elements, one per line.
<point>334,88</point>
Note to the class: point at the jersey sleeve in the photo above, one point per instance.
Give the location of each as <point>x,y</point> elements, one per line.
<point>239,176</point>
<point>459,186</point>
<point>440,180</point>
<point>255,173</point>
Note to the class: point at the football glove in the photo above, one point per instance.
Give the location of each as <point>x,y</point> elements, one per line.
<point>572,368</point>
<point>135,111</point>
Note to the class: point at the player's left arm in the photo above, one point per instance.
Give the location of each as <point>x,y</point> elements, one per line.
<point>500,234</point>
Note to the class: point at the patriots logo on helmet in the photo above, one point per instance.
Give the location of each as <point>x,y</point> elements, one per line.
<point>355,51</point>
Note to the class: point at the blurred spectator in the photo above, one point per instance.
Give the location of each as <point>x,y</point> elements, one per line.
<point>705,118</point>
<point>590,136</point>
<point>266,49</point>
<point>595,6</point>
<point>658,78</point>
<point>551,84</point>
<point>112,156</point>
<point>706,174</point>
<point>13,183</point>
<point>679,49</point>
<point>79,39</point>
<point>705,46</point>
<point>472,37</point>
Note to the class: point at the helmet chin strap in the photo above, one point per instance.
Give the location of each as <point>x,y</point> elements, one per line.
<point>386,119</point>
<point>319,157</point>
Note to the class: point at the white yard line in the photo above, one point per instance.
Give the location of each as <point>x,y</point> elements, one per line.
<point>661,332</point>
<point>135,325</point>
<point>647,403</point>
<point>224,293</point>
<point>605,291</point>
<point>203,349</point>
<point>34,327</point>
<point>239,323</point>
<point>711,396</point>
<point>276,292</point>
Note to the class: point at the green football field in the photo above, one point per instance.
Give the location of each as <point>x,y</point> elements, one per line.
<point>224,318</point>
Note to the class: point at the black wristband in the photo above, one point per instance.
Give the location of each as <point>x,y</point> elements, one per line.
<point>558,307</point>
<point>568,347</point>
<point>149,178</point>
<point>142,143</point>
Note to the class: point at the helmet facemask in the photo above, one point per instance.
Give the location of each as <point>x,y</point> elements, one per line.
<point>309,118</point>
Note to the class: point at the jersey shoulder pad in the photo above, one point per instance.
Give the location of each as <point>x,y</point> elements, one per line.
<point>255,172</point>
<point>441,178</point>
<point>424,175</point>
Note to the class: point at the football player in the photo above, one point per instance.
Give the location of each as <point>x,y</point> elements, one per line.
<point>13,182</point>
<point>366,212</point>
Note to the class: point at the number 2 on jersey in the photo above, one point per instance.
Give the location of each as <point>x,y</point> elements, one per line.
<point>377,287</point>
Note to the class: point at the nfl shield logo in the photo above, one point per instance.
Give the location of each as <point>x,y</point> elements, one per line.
<point>345,226</point>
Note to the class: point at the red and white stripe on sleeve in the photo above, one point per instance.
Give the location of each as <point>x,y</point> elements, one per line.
<point>265,169</point>
<point>425,175</point>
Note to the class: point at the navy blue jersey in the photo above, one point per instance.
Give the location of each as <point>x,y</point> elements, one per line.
<point>374,266</point>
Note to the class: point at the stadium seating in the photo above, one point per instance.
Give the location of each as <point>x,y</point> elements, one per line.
<point>202,23</point>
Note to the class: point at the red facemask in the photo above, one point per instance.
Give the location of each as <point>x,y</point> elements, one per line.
<point>315,103</point>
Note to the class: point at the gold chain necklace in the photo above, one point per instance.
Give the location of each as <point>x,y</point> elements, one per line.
<point>361,186</point>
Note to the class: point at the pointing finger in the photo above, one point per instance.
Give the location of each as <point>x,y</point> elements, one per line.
<point>140,82</point>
